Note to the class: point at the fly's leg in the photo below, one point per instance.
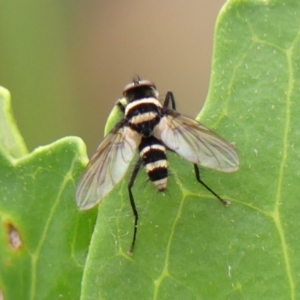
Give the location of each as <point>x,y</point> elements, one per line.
<point>197,173</point>
<point>132,203</point>
<point>120,105</point>
<point>170,99</point>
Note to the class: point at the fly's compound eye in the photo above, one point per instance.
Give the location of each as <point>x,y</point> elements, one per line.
<point>138,83</point>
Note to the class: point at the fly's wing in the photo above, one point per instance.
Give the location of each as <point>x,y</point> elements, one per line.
<point>107,167</point>
<point>195,142</point>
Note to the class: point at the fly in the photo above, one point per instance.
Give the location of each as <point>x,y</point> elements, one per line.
<point>152,128</point>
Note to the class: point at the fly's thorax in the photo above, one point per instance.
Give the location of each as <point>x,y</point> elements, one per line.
<point>143,115</point>
<point>153,155</point>
<point>140,106</point>
<point>140,90</point>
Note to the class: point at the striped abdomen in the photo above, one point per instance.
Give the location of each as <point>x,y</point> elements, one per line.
<point>153,155</point>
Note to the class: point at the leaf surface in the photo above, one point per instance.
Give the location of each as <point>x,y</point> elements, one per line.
<point>11,141</point>
<point>43,238</point>
<point>188,245</point>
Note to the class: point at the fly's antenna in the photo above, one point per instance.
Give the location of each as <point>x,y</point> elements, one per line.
<point>136,80</point>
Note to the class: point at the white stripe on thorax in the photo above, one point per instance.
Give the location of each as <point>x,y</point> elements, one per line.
<point>151,100</point>
<point>145,117</point>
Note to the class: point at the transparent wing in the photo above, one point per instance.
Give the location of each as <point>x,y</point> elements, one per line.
<point>196,143</point>
<point>107,167</point>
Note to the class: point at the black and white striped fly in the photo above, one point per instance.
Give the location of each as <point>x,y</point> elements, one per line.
<point>152,128</point>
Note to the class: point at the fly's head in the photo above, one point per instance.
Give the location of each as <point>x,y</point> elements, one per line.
<point>140,88</point>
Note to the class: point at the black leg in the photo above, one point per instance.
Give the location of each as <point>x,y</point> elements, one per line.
<point>132,203</point>
<point>121,105</point>
<point>197,173</point>
<point>170,98</point>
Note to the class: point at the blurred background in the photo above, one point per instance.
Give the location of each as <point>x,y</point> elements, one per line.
<point>66,62</point>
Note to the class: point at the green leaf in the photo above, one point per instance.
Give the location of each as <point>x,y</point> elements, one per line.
<point>43,238</point>
<point>188,245</point>
<point>11,141</point>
